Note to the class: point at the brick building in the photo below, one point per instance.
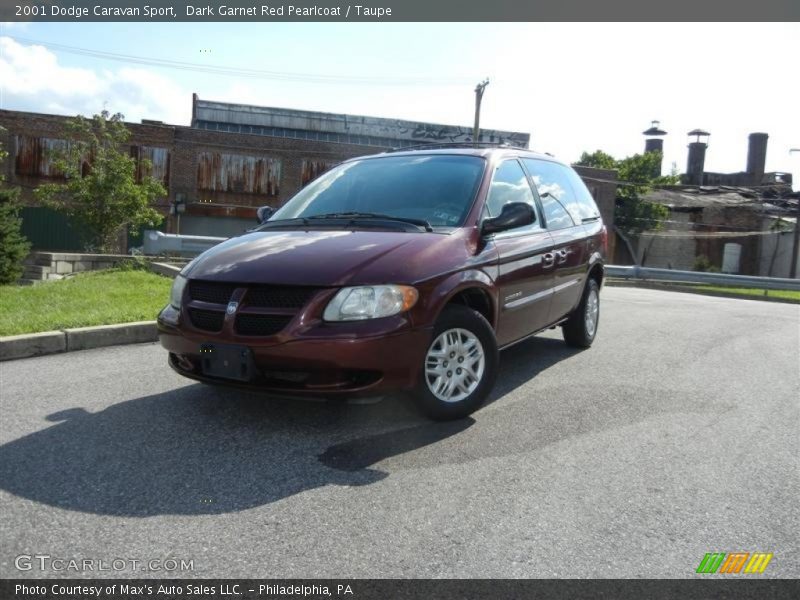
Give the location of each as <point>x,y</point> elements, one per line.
<point>749,214</point>
<point>234,158</point>
<point>703,221</point>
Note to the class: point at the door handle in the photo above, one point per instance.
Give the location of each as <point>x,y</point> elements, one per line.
<point>562,256</point>
<point>548,259</point>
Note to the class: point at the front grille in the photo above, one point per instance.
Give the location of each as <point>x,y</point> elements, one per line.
<point>283,299</point>
<point>207,320</point>
<point>209,291</point>
<point>261,324</point>
<point>271,296</point>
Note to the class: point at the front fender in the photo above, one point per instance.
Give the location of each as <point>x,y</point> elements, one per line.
<point>435,296</point>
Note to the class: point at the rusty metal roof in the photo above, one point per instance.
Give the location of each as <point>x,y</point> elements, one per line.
<point>253,119</point>
<point>778,197</point>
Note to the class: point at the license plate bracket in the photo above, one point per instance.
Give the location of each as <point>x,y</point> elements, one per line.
<point>227,361</point>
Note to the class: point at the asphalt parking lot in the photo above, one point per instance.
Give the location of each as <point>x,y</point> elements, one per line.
<point>675,435</point>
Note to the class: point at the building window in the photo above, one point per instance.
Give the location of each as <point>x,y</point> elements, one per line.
<point>311,169</point>
<point>238,173</point>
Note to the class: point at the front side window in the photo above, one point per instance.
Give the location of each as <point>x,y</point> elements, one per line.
<point>436,188</point>
<point>555,192</point>
<point>509,184</point>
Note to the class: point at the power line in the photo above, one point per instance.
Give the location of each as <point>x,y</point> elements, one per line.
<point>243,73</point>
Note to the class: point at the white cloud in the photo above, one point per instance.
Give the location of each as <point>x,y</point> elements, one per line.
<point>16,25</point>
<point>33,79</point>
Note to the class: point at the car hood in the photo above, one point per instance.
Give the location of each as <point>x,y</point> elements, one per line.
<point>330,258</point>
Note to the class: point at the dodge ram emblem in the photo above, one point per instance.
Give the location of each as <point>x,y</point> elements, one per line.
<point>232,306</point>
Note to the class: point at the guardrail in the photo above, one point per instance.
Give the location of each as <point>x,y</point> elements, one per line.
<point>157,242</point>
<point>647,273</point>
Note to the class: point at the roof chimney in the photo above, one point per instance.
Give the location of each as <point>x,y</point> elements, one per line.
<point>654,143</point>
<point>697,156</point>
<point>195,98</point>
<point>756,157</point>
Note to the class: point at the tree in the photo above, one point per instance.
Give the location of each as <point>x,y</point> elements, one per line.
<point>598,159</point>
<point>14,246</point>
<point>632,214</point>
<point>100,187</point>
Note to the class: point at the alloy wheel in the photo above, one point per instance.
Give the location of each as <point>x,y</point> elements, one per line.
<point>592,312</point>
<point>454,365</point>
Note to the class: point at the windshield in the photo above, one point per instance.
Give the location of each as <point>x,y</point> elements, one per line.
<point>438,189</point>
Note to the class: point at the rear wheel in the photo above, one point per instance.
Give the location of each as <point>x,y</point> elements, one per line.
<point>581,327</point>
<point>460,365</point>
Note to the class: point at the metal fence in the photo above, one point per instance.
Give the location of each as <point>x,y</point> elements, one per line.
<point>648,274</point>
<point>157,242</point>
<point>51,230</point>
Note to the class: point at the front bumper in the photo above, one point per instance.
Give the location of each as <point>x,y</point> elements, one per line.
<point>324,366</point>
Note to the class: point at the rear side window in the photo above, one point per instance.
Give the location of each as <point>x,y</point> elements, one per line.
<point>584,203</point>
<point>509,184</point>
<point>555,192</point>
<point>556,215</point>
<point>576,197</point>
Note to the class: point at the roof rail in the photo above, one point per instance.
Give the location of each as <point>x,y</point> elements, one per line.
<point>445,145</point>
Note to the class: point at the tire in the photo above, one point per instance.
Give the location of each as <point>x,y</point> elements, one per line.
<point>581,327</point>
<point>443,392</point>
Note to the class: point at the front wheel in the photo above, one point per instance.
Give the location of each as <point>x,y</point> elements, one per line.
<point>460,365</point>
<point>581,327</point>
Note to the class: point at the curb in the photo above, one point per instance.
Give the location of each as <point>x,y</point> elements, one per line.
<point>165,269</point>
<point>81,338</point>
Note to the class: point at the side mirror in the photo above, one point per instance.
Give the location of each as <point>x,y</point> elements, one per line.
<point>513,215</point>
<point>264,213</point>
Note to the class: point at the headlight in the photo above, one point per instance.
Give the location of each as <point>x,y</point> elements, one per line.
<point>176,294</point>
<point>370,302</point>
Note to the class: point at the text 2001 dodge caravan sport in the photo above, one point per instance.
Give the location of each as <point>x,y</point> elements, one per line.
<point>399,271</point>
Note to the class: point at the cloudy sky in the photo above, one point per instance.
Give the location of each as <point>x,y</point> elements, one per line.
<point>572,86</point>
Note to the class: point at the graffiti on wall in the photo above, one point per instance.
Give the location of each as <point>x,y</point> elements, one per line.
<point>429,132</point>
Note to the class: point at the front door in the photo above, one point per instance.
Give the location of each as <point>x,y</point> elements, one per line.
<point>525,282</point>
<point>526,263</point>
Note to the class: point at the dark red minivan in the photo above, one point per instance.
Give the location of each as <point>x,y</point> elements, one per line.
<point>406,270</point>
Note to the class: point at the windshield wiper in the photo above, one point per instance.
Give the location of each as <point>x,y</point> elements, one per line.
<point>365,215</point>
<point>282,223</point>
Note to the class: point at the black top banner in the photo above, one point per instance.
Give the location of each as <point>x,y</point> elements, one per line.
<point>398,10</point>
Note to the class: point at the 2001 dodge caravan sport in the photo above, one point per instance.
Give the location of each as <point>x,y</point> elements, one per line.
<point>400,271</point>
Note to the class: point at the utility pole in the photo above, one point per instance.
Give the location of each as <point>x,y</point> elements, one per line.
<point>796,244</point>
<point>478,96</point>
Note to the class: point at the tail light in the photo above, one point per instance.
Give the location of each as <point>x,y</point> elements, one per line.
<point>604,240</point>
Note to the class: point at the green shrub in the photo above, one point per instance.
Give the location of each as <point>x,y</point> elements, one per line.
<point>134,263</point>
<point>14,246</point>
<point>701,263</point>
